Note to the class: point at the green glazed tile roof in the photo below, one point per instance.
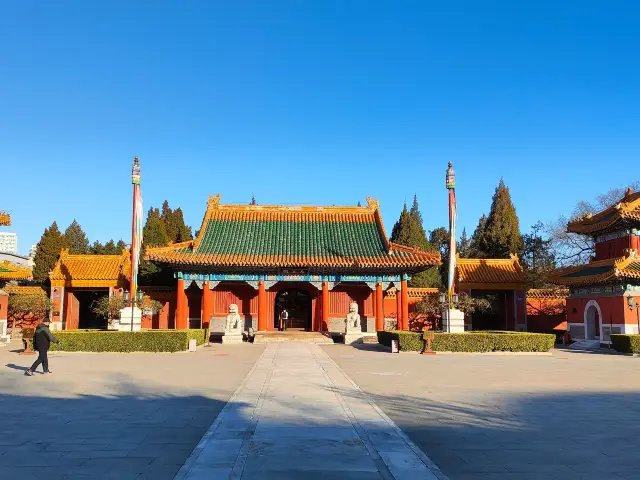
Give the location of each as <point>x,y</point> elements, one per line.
<point>287,237</point>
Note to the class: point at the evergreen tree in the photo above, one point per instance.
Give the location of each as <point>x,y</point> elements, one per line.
<point>174,225</point>
<point>76,239</point>
<point>478,243</point>
<point>97,248</point>
<point>253,200</point>
<point>439,238</point>
<point>183,231</point>
<point>415,211</point>
<point>465,245</point>
<point>110,248</point>
<point>359,204</point>
<point>502,230</point>
<point>120,246</point>
<point>154,232</point>
<point>537,257</point>
<point>409,231</point>
<point>47,252</point>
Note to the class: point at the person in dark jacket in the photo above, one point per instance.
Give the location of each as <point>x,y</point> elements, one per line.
<point>42,339</point>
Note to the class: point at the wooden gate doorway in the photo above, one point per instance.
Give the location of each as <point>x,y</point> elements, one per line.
<point>297,302</point>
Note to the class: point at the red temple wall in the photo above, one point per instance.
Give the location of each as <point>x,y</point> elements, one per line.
<point>614,310</point>
<point>615,247</point>
<point>544,315</point>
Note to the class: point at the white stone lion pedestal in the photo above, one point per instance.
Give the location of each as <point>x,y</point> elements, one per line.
<point>453,320</point>
<point>353,333</point>
<point>126,317</point>
<point>233,327</point>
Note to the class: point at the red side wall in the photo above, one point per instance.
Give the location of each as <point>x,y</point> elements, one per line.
<point>616,247</point>
<point>614,310</point>
<point>546,315</point>
<point>4,306</point>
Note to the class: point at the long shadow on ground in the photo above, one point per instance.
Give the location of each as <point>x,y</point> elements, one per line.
<point>96,437</point>
<point>586,435</point>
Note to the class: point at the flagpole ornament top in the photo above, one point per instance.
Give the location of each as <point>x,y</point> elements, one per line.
<point>451,177</point>
<point>135,172</point>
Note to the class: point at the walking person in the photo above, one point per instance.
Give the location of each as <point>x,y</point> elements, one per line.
<point>41,341</point>
<point>284,316</point>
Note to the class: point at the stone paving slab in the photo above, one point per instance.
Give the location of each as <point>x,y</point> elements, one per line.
<point>564,416</point>
<point>113,416</point>
<point>302,417</point>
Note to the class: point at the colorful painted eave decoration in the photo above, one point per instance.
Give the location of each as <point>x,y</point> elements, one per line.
<point>499,273</point>
<point>612,270</point>
<point>10,271</point>
<point>275,237</point>
<point>90,270</point>
<point>5,219</point>
<point>626,211</point>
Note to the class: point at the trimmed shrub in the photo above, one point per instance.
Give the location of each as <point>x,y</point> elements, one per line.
<point>626,343</point>
<point>143,341</point>
<point>478,341</point>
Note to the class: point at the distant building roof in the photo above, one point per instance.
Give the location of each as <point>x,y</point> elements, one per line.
<point>414,292</point>
<point>624,214</point>
<point>90,270</point>
<point>11,271</point>
<point>611,270</point>
<point>273,236</point>
<point>490,274</point>
<point>5,219</point>
<point>24,290</point>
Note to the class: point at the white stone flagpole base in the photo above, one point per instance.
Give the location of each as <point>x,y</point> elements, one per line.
<point>125,319</point>
<point>453,320</point>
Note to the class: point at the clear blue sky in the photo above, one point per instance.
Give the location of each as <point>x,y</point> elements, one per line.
<point>313,102</point>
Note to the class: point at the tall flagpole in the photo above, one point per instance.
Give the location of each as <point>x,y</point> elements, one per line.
<point>451,186</point>
<point>136,235</point>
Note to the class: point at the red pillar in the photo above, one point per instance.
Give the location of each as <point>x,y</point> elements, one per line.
<point>262,307</point>
<point>207,304</point>
<point>325,307</point>
<point>181,307</point>
<point>399,308</point>
<point>379,310</point>
<point>405,306</point>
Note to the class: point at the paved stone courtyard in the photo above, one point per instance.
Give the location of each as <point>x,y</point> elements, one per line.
<point>136,416</point>
<point>567,416</point>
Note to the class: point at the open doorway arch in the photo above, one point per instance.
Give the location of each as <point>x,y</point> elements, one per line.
<point>592,321</point>
<point>297,302</point>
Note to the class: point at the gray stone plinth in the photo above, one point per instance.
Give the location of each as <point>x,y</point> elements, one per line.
<point>232,338</point>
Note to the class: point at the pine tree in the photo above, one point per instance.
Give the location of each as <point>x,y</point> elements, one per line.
<point>439,238</point>
<point>415,210</point>
<point>253,200</point>
<point>97,248</point>
<point>154,232</point>
<point>110,248</point>
<point>502,230</point>
<point>47,252</point>
<point>409,231</point>
<point>465,245</point>
<point>359,204</point>
<point>120,246</point>
<point>76,239</point>
<point>537,257</point>
<point>183,231</point>
<point>174,225</point>
<point>478,243</point>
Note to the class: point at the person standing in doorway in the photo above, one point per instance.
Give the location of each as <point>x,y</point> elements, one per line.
<point>284,316</point>
<point>41,341</point>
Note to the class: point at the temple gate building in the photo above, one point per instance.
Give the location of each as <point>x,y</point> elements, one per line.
<point>312,261</point>
<point>601,290</point>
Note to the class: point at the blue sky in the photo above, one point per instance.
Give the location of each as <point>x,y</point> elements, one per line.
<point>313,102</point>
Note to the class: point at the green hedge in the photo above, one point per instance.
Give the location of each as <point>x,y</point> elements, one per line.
<point>470,342</point>
<point>626,343</point>
<point>143,341</point>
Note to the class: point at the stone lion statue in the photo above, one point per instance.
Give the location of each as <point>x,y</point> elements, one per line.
<point>353,318</point>
<point>234,320</point>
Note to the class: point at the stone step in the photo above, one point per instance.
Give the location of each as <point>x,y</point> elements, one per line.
<point>370,339</point>
<point>295,337</point>
<point>585,345</point>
